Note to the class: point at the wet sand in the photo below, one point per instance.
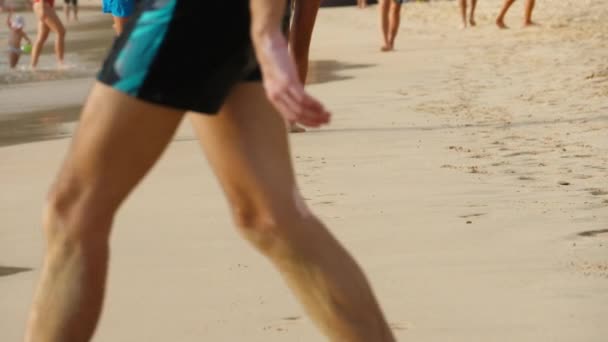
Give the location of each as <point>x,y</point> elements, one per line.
<point>467,171</point>
<point>45,104</point>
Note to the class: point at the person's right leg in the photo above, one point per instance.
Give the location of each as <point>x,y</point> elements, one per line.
<point>66,10</point>
<point>500,20</point>
<point>247,147</point>
<point>384,7</point>
<point>43,34</point>
<point>118,140</point>
<point>528,13</point>
<point>75,9</point>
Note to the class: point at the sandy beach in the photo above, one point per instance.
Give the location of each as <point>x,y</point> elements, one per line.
<point>467,172</point>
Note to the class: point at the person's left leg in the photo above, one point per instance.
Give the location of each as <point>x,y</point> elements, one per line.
<point>472,13</point>
<point>528,13</point>
<point>54,23</point>
<point>13,58</point>
<point>463,12</point>
<point>247,147</point>
<point>500,20</point>
<point>300,35</point>
<point>395,21</point>
<point>121,12</point>
<point>119,24</point>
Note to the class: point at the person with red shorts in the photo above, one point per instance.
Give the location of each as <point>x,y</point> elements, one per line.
<point>48,21</point>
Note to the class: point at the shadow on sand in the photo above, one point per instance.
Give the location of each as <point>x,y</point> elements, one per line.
<point>324,71</point>
<point>8,270</point>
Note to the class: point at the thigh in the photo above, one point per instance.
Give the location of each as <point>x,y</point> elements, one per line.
<point>43,30</point>
<point>123,9</point>
<point>247,147</point>
<point>118,140</point>
<point>53,21</point>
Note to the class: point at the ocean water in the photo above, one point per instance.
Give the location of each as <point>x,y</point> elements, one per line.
<point>23,118</point>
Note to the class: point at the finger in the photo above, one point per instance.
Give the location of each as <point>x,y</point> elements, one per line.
<point>282,108</point>
<point>309,103</point>
<point>314,116</point>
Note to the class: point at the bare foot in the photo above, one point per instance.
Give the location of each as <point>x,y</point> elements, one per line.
<point>295,128</point>
<point>530,24</point>
<point>472,22</point>
<point>386,48</point>
<point>501,24</point>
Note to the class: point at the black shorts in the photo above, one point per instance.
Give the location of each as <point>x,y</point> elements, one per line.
<point>184,54</point>
<point>73,2</point>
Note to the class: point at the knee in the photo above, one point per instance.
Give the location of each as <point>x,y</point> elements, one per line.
<point>74,213</point>
<point>270,228</point>
<point>61,33</point>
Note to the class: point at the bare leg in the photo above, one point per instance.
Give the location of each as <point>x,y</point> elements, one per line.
<point>472,14</point>
<point>43,34</point>
<point>463,12</point>
<point>118,140</point>
<point>13,59</point>
<point>75,10</point>
<point>248,150</point>
<point>362,3</point>
<point>528,13</point>
<point>66,11</point>
<point>384,6</point>
<point>54,23</point>
<point>119,24</point>
<point>300,36</point>
<point>395,21</point>
<point>500,20</point>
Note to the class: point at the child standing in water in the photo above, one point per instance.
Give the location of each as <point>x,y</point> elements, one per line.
<point>15,35</point>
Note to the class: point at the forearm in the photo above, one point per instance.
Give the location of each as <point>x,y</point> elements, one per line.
<point>266,17</point>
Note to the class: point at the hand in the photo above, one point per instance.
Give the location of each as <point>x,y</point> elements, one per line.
<point>283,86</point>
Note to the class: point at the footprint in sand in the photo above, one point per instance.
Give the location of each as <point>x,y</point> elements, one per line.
<point>594,233</point>
<point>597,192</point>
<point>472,215</point>
<point>526,178</point>
<point>398,326</point>
<point>282,325</point>
<point>522,153</point>
<point>591,268</point>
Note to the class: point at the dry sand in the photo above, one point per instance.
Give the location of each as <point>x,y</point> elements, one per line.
<point>467,171</point>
